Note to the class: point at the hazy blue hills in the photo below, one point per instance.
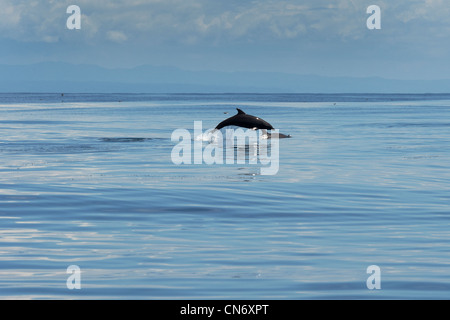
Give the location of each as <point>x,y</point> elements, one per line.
<point>65,77</point>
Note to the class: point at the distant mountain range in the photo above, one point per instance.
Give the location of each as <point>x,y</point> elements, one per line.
<point>65,77</point>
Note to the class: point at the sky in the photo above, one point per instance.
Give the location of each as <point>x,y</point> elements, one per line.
<point>328,38</point>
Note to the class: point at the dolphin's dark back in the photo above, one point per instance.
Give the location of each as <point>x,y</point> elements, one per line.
<point>241,119</point>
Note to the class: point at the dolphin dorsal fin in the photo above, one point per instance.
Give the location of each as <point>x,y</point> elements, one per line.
<point>240,111</point>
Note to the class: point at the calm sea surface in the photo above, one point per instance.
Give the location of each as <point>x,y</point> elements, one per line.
<point>88,180</point>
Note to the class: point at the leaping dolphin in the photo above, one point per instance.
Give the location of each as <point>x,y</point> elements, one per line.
<point>241,119</point>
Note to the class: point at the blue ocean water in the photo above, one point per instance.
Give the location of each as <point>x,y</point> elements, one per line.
<point>88,180</point>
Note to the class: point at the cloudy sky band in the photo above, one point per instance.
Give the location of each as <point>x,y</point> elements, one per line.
<point>309,36</point>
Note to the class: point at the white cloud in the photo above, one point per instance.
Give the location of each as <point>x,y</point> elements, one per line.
<point>429,11</point>
<point>9,16</point>
<point>116,36</point>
